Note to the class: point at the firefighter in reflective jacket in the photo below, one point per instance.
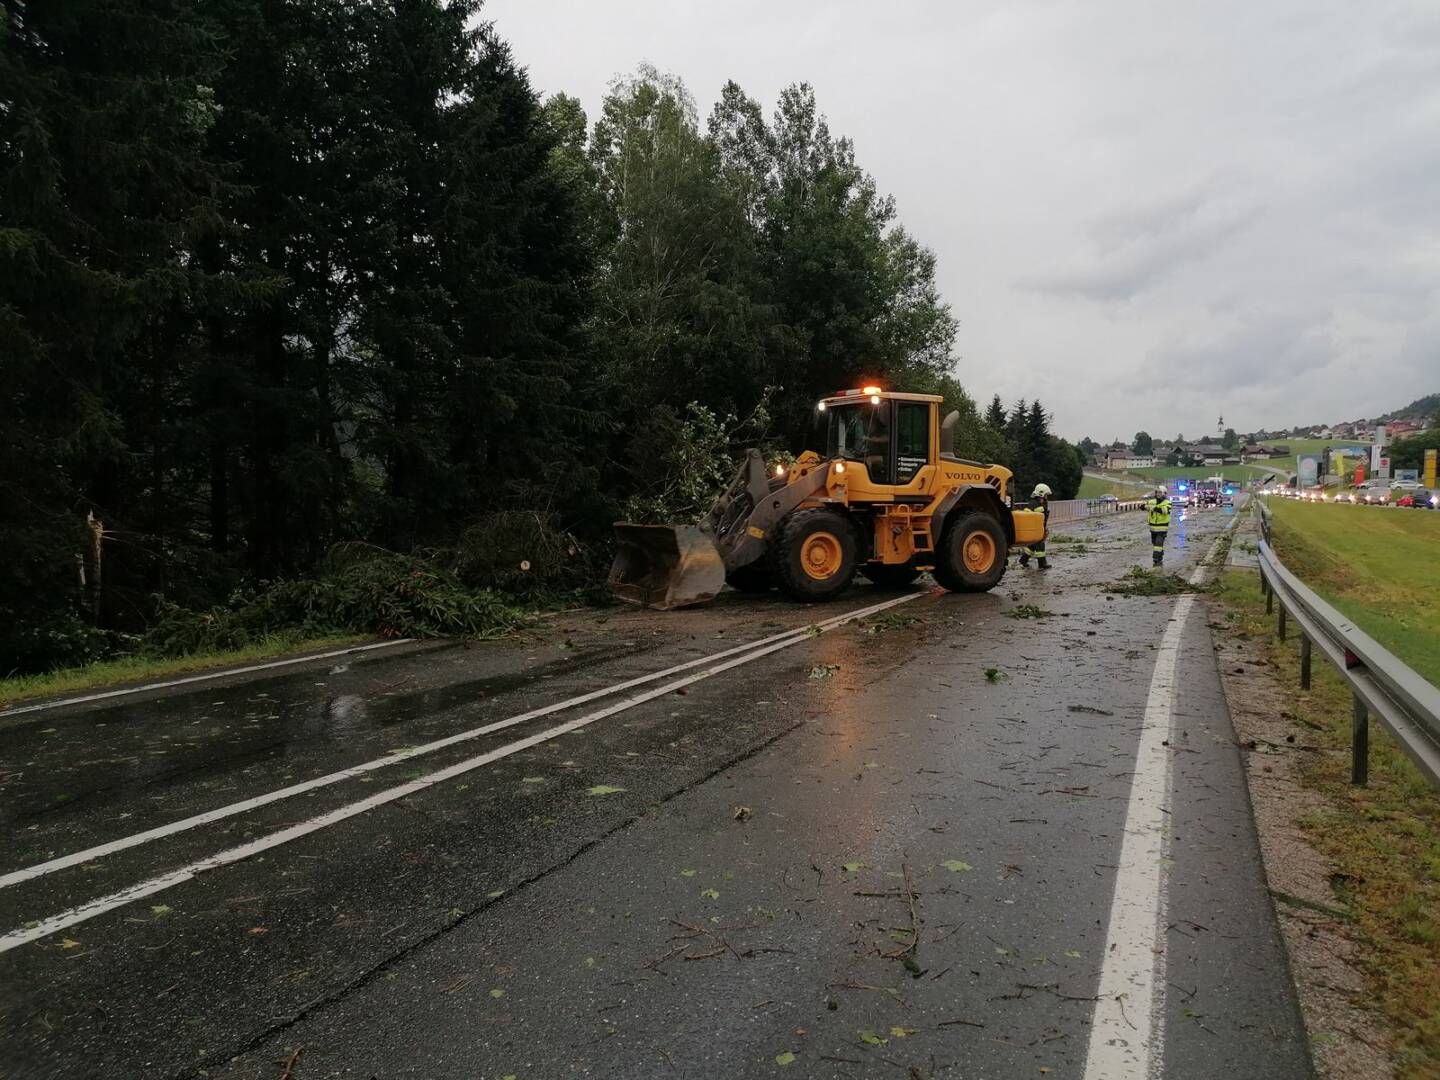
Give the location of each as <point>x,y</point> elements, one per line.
<point>1157,515</point>
<point>1039,500</point>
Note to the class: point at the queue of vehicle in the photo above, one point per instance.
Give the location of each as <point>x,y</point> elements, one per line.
<point>1403,494</point>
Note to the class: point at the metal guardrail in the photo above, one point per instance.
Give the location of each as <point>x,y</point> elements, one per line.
<point>1380,684</point>
<point>1063,510</point>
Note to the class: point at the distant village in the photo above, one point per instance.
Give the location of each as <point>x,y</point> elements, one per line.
<point>1256,446</point>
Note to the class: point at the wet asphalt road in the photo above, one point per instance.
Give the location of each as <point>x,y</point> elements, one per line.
<point>859,850</point>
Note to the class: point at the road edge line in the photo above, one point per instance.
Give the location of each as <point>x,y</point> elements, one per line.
<point>20,710</point>
<point>1123,1046</point>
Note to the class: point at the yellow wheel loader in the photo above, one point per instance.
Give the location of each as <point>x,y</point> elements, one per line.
<point>882,499</point>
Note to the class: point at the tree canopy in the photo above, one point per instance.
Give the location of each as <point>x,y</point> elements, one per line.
<point>277,277</point>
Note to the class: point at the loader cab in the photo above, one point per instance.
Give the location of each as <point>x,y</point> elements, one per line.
<point>893,435</point>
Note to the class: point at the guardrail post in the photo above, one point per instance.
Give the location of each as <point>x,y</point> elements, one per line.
<point>1359,743</point>
<point>1269,591</point>
<point>1280,623</point>
<point>1304,661</point>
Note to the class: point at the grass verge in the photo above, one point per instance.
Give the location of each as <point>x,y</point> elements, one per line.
<point>141,668</point>
<point>1377,566</point>
<point>1383,840</point>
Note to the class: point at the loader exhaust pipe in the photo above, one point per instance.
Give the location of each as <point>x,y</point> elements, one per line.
<point>665,566</point>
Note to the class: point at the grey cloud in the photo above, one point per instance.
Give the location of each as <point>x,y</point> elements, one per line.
<point>1146,215</point>
<point>1265,351</point>
<point>1136,250</point>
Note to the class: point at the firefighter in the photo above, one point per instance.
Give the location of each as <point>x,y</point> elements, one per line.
<point>1039,500</point>
<point>1157,516</point>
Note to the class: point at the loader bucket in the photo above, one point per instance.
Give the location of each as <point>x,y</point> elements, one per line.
<point>665,566</point>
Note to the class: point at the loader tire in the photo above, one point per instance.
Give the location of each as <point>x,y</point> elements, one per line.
<point>755,578</point>
<point>972,553</point>
<point>815,555</point>
<point>890,576</point>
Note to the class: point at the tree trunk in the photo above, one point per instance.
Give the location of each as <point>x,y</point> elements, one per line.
<point>97,554</point>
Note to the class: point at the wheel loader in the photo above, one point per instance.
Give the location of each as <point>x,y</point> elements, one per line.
<point>881,499</point>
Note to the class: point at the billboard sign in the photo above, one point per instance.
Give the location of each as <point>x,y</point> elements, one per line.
<point>1309,470</point>
<point>1430,456</point>
<point>1380,462</point>
<point>1407,474</point>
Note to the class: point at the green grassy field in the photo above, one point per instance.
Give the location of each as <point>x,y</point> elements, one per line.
<point>140,669</point>
<point>1380,567</point>
<point>1307,446</point>
<point>1092,487</point>
<point>1238,473</point>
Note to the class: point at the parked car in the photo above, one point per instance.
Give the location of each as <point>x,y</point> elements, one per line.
<point>1109,498</point>
<point>1404,485</point>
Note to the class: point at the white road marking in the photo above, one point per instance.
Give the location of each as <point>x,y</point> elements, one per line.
<point>1127,1033</point>
<point>6,713</point>
<point>100,851</point>
<point>101,905</point>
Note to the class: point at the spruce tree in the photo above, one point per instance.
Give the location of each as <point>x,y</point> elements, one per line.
<point>104,184</point>
<point>995,414</point>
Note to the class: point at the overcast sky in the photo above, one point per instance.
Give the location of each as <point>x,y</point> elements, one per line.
<point>1147,214</point>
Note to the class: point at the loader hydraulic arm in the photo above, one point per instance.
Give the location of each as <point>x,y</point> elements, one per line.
<point>747,510</point>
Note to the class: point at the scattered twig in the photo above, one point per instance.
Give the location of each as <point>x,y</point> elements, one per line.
<point>914,920</point>
<point>1120,1000</point>
<point>289,1073</point>
<point>755,950</point>
<point>717,951</point>
<point>653,964</point>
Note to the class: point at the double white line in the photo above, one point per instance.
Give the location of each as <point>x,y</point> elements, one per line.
<point>709,666</point>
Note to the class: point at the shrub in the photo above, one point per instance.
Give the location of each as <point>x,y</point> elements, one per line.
<point>59,639</point>
<point>524,554</point>
<point>361,589</point>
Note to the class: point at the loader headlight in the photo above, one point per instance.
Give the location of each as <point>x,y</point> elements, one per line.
<point>839,466</point>
<point>874,399</point>
<point>820,407</point>
<point>779,470</point>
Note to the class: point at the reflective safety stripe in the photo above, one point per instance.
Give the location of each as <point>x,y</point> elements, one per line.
<point>1158,513</point>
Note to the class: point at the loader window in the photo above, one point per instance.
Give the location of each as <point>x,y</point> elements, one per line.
<point>861,432</point>
<point>912,437</point>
